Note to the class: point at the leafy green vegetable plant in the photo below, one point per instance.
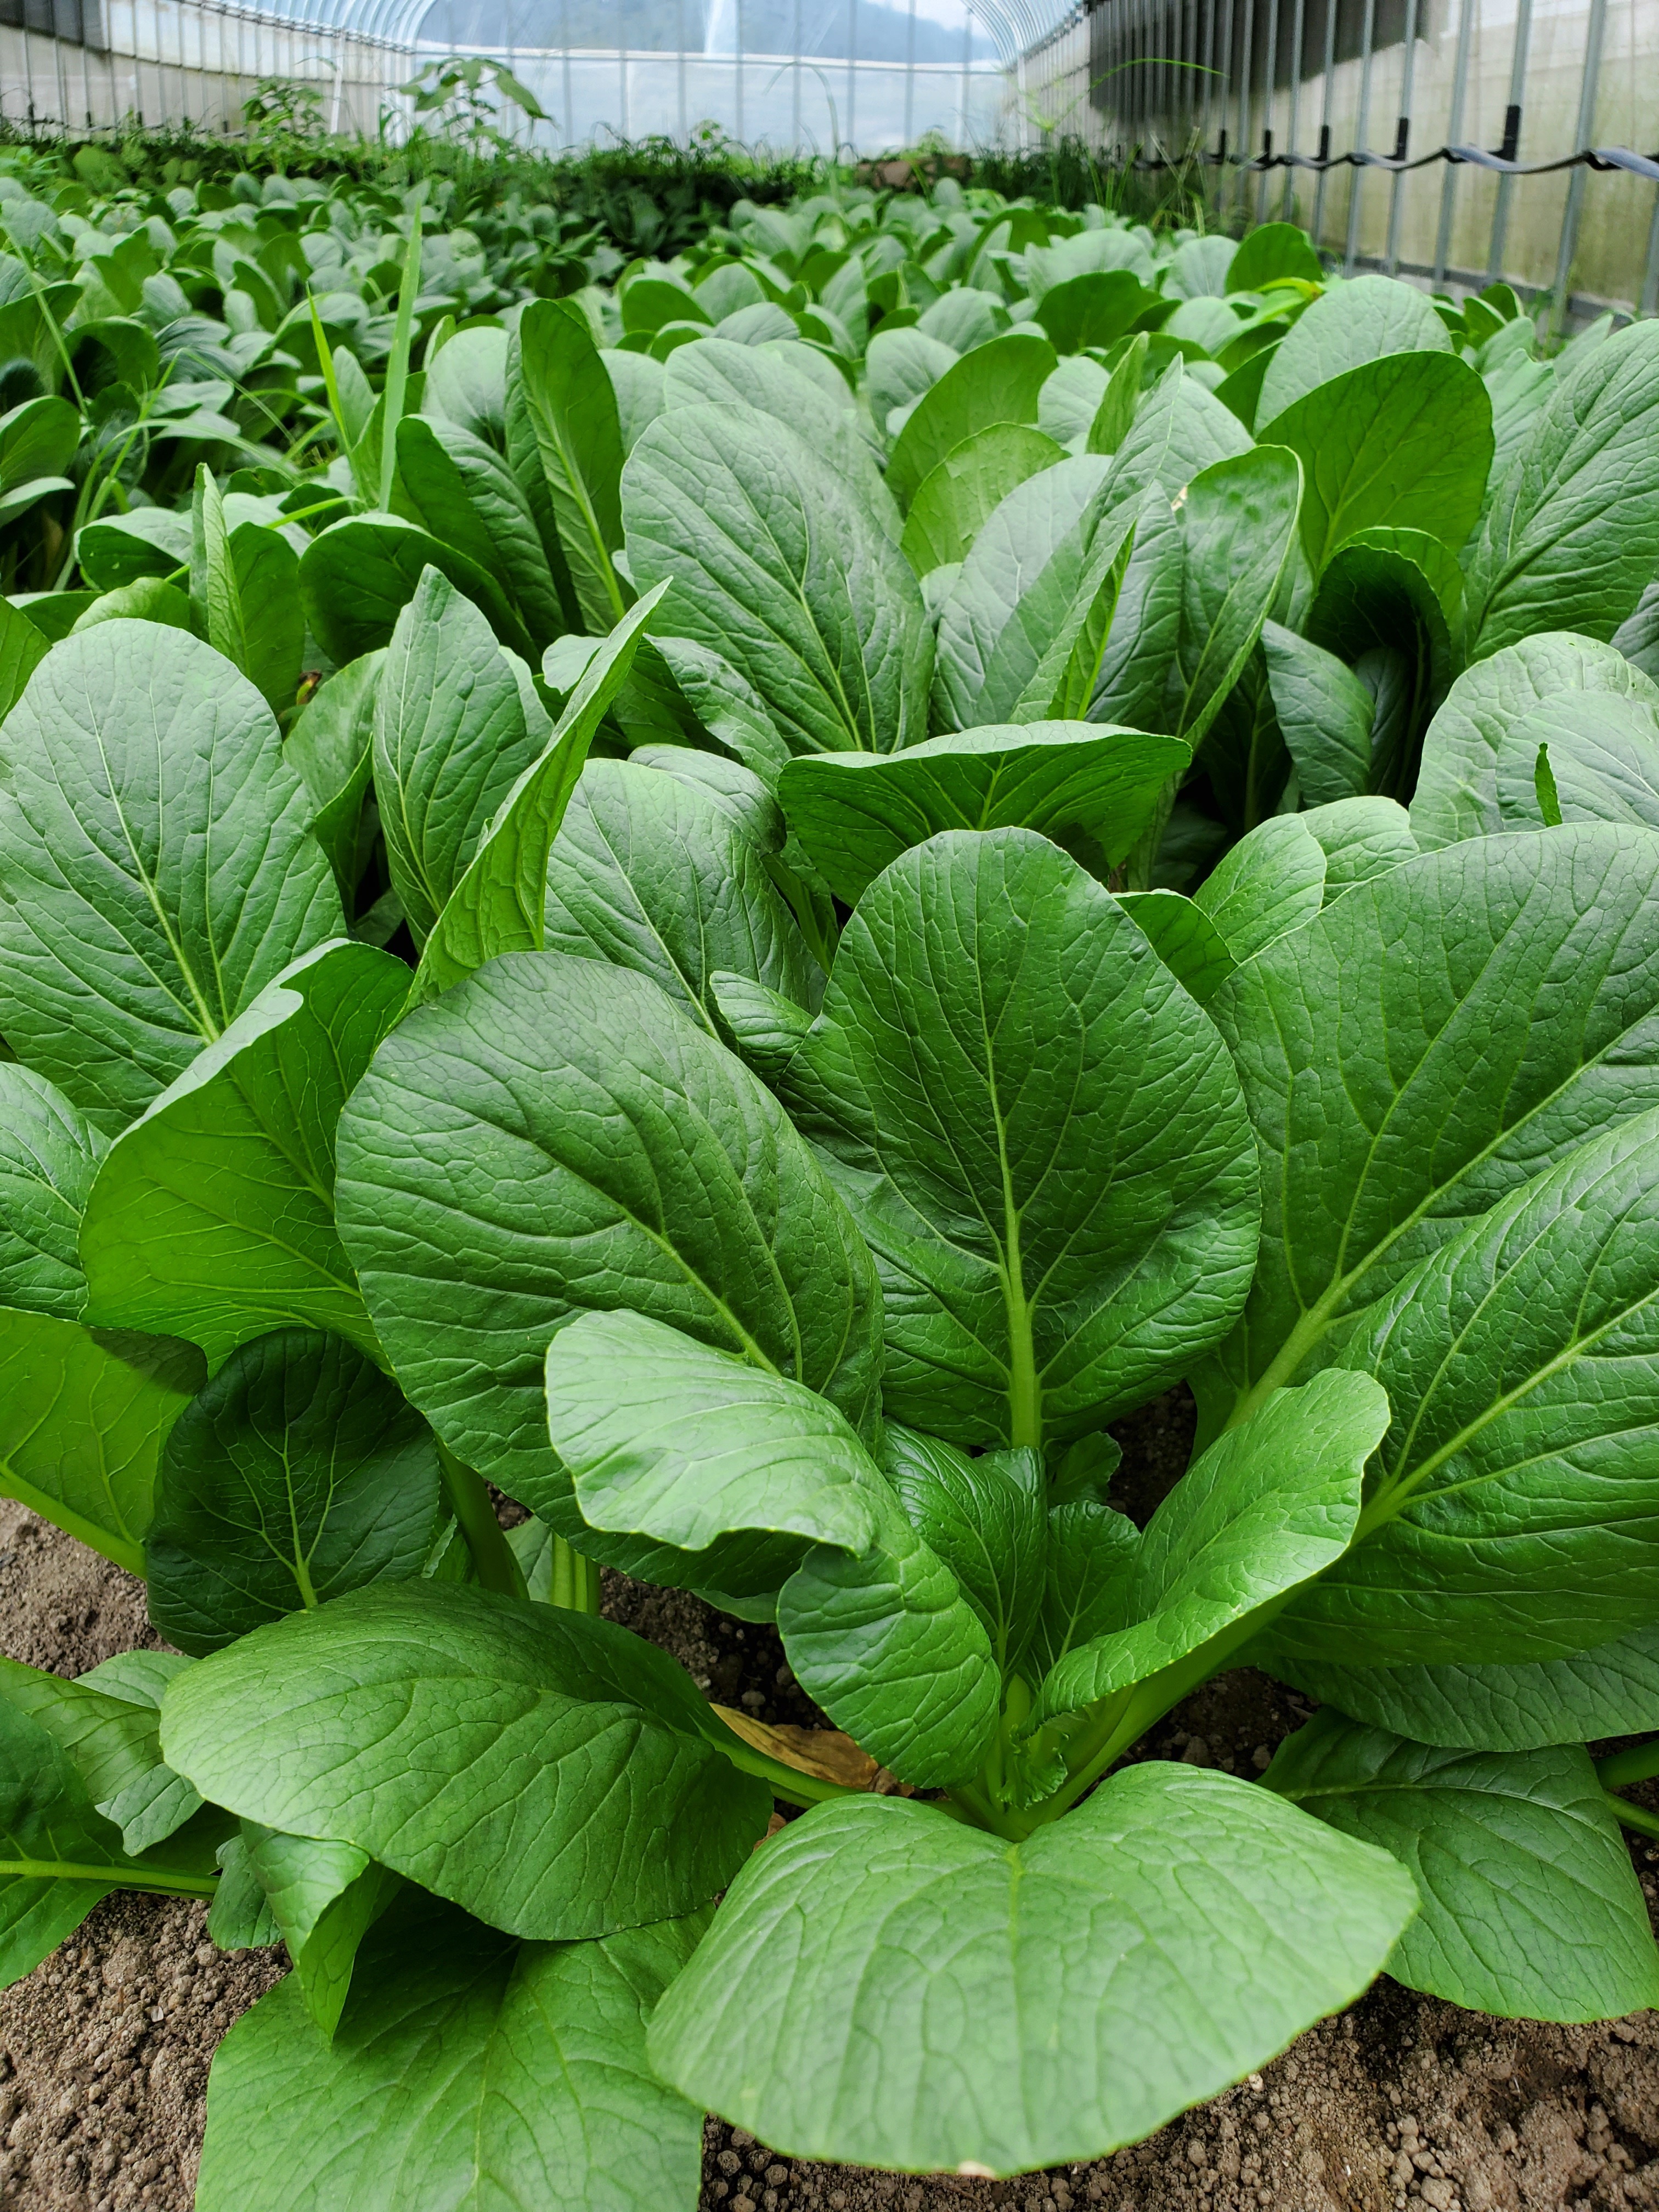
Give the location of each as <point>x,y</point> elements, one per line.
<point>876,877</point>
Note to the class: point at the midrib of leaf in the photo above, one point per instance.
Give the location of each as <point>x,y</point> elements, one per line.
<point>299,1564</point>
<point>115,1877</point>
<point>204,1022</point>
<point>576,487</point>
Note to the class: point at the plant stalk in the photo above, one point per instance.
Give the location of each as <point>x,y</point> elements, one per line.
<point>1635,1817</point>
<point>575,1584</point>
<point>1640,1763</point>
<point>468,1501</point>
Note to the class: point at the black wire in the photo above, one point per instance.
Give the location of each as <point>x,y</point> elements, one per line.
<point>1601,158</point>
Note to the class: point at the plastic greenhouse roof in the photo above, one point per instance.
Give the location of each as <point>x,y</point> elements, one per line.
<point>1013,26</point>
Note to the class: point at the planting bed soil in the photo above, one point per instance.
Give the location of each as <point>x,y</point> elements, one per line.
<point>1402,2100</point>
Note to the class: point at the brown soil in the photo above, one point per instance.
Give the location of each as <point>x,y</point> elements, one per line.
<point>1401,2103</point>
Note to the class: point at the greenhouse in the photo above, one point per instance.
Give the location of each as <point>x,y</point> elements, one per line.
<point>829,1107</point>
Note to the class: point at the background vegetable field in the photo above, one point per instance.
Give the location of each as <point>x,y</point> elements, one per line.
<point>745,900</point>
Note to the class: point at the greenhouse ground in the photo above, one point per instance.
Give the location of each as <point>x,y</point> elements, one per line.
<point>1401,2102</point>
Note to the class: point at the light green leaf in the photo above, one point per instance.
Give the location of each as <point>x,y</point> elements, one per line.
<point>155,862</point>
<point>1396,1099</point>
<point>1271,1504</point>
<point>1005,1076</point>
<point>451,738</point>
<point>1184,939</point>
<point>651,872</point>
<point>572,409</point>
<point>331,744</point>
<point>644,1165</point>
<point>855,813</point>
<point>1602,755</point>
<point>212,1217</point>
<point>357,576</point>
<point>1511,1517</point>
<point>1361,320</point>
<point>985,1518</point>
<point>1401,443</point>
<point>323,1899</point>
<point>666,1438</point>
<point>499,903</point>
<point>1092,1553</point>
<point>49,1155</point>
<point>1456,794</point>
<point>85,1417</point>
<point>996,383</point>
<point>1093,309</point>
<point>763,1029</point>
<point>1270,883</point>
<point>780,569</point>
<point>1529,1907</point>
<point>468,2070</point>
<point>1219,1924</point>
<point>463,491</point>
<point>1571,540</point>
<point>539,1768</point>
<point>1238,522</point>
<point>114,1745</point>
<point>300,1473</point>
<point>955,498</point>
<point>1361,838</point>
<point>22,648</point>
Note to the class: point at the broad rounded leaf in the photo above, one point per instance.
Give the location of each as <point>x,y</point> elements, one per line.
<point>49,1156</point>
<point>886,1985</point>
<point>156,866</point>
<point>1361,320</point>
<point>542,1769</point>
<point>1039,1132</point>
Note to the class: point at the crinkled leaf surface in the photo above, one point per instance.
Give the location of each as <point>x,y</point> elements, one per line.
<point>469,2072</point>
<point>1325,713</point>
<point>113,1743</point>
<point>1038,1132</point>
<point>49,1155</point>
<point>1120,1964</point>
<point>995,383</point>
<point>539,1768</point>
<point>1270,882</point>
<point>552,1136</point>
<point>1361,321</point>
<point>1529,1907</point>
<point>1602,755</point>
<point>778,566</point>
<point>155,860</point>
<point>958,495</point>
<point>300,1472</point>
<point>212,1217</point>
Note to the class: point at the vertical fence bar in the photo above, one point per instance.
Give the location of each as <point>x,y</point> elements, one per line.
<point>1269,92</point>
<point>1402,141</point>
<point>1500,211</point>
<point>570,103</point>
<point>1298,34</point>
<point>679,66</point>
<point>1648,302</point>
<point>798,60</point>
<point>1245,141</point>
<point>910,76</point>
<point>967,62</point>
<point>1325,118</point>
<point>1361,131</point>
<point>1454,137</point>
<point>1573,211</point>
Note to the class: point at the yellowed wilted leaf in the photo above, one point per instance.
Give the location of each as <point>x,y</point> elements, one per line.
<point>824,1752</point>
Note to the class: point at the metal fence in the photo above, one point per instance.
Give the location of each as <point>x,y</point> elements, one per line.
<point>1457,141</point>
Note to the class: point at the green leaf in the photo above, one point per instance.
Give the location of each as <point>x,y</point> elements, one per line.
<point>1271,1504</point>
<point>118,548</point>
<point>1270,882</point>
<point>1361,838</point>
<point>1184,939</point>
<point>212,1217</point>
<point>537,1766</point>
<point>763,1029</point>
<point>323,1899</point>
<point>239,1917</point>
<point>451,738</point>
<point>650,871</point>
<point>1273,252</point>
<point>1238,524</point>
<point>59,1856</point>
<point>996,383</point>
<point>1094,309</point>
<point>668,1439</point>
<point>779,569</point>
<point>299,1474</point>
<point>1529,1907</point>
<point>1587,757</point>
<point>1456,794</point>
<point>156,866</point>
<point>1401,443</point>
<point>463,491</point>
<point>114,1745</point>
<point>985,1518</point>
<point>1572,539</point>
<point>86,1416</point>
<point>331,745</point>
<point>22,648</point>
<point>1325,713</point>
<point>1509,1516</point>
<point>644,1165</point>
<point>358,575</point>
<point>855,813</point>
<point>1219,1924</point>
<point>467,2070</point>
<point>1092,1553</point>
<point>899,367</point>
<point>49,1155</point>
<point>1361,320</point>
<point>499,903</point>
<point>572,409</point>
<point>213,585</point>
<point>956,496</point>
<point>1039,1134</point>
<point>1612,1690</point>
<point>1396,1099</point>
<point>273,629</point>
